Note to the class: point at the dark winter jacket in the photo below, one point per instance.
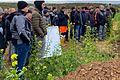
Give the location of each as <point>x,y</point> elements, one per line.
<point>8,20</point>
<point>72,17</point>
<point>77,18</point>
<point>91,18</point>
<point>84,17</point>
<point>101,18</point>
<point>2,36</point>
<point>55,19</point>
<point>62,19</point>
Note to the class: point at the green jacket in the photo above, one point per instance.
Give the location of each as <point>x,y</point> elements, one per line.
<point>38,24</point>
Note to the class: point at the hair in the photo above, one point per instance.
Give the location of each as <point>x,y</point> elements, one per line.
<point>46,7</point>
<point>63,7</point>
<point>97,7</point>
<point>54,8</point>
<point>38,5</point>
<point>72,8</point>
<point>83,8</point>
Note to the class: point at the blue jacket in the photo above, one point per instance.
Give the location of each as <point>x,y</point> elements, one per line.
<point>84,17</point>
<point>62,19</point>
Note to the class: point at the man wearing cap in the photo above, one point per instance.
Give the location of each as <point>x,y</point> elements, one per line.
<point>38,23</point>
<point>20,34</point>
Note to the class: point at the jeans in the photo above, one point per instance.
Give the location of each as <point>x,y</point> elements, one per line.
<point>77,32</point>
<point>101,33</point>
<point>71,31</point>
<point>22,50</point>
<point>83,30</point>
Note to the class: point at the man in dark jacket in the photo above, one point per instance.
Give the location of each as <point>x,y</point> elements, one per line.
<point>101,19</point>
<point>63,23</point>
<point>72,21</point>
<point>91,18</point>
<point>38,24</point>
<point>21,34</point>
<point>54,16</point>
<point>84,18</point>
<point>77,26</point>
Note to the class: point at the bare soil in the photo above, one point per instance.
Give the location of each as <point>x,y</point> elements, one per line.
<point>109,70</point>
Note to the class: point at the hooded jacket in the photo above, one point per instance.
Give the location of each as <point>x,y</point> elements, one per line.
<point>20,29</point>
<point>38,24</point>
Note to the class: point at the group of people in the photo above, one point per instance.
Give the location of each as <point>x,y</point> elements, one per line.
<point>18,26</point>
<point>97,18</point>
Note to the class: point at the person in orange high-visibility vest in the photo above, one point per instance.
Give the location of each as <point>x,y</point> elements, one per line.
<point>63,23</point>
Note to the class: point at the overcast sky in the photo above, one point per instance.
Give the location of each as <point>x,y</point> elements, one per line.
<point>67,1</point>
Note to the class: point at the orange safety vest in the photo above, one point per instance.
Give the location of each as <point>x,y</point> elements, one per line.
<point>63,29</point>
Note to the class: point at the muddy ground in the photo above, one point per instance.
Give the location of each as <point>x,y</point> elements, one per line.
<point>96,71</point>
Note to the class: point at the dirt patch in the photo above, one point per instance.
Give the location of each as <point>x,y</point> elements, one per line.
<point>96,71</point>
<point>116,46</point>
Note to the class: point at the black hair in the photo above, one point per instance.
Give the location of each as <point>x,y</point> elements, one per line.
<point>54,8</point>
<point>72,8</point>
<point>63,7</point>
<point>38,5</point>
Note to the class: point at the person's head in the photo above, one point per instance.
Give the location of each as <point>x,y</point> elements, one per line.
<point>101,7</point>
<point>6,11</point>
<point>12,10</point>
<point>32,8</point>
<point>54,9</point>
<point>23,6</point>
<point>91,8</point>
<point>1,13</point>
<point>46,13</point>
<point>110,4</point>
<point>97,9</point>
<point>29,15</point>
<point>39,4</point>
<point>73,9</point>
<point>83,8</point>
<point>78,9</point>
<point>63,9</point>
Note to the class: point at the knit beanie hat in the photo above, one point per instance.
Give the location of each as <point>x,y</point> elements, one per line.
<point>45,11</point>
<point>22,4</point>
<point>38,4</point>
